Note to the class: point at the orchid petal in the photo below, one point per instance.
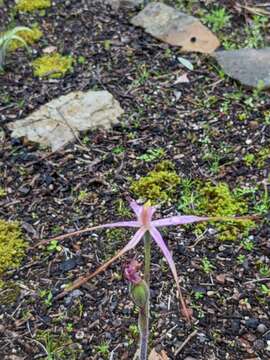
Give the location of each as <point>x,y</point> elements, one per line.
<point>135,207</point>
<point>80,232</point>
<point>83,279</point>
<point>189,219</point>
<point>179,220</point>
<point>160,242</point>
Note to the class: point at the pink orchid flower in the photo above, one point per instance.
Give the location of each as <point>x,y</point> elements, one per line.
<point>144,223</point>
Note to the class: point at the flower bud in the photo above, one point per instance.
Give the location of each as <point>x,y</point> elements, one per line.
<point>139,293</point>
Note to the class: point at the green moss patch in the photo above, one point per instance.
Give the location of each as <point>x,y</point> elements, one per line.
<point>12,246</point>
<point>158,185</point>
<point>53,66</point>
<point>32,5</point>
<point>200,198</point>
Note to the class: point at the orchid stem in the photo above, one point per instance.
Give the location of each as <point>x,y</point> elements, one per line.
<point>144,311</point>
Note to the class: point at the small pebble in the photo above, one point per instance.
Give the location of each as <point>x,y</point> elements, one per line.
<point>79,335</point>
<point>252,323</point>
<point>258,345</point>
<point>261,328</point>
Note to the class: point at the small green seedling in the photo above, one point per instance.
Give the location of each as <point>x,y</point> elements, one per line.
<point>152,154</point>
<point>247,245</point>
<point>265,290</point>
<point>7,38</point>
<point>103,349</point>
<point>218,19</point>
<point>241,259</point>
<point>207,267</point>
<point>54,247</point>
<point>198,295</point>
<point>47,297</point>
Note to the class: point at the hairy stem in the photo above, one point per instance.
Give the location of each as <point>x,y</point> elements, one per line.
<point>144,311</point>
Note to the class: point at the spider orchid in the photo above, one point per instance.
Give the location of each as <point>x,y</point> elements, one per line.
<point>145,224</point>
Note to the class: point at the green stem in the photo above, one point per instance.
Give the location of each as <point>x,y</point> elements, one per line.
<point>144,311</point>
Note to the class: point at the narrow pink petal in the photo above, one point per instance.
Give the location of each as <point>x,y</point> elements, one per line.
<point>135,207</point>
<point>83,279</point>
<point>83,231</point>
<point>179,220</point>
<point>160,242</point>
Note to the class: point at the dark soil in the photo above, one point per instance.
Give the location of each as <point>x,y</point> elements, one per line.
<point>198,126</point>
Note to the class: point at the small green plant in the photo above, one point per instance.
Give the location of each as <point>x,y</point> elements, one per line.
<point>103,349</point>
<point>54,246</point>
<point>255,32</point>
<point>247,245</point>
<point>264,270</point>
<point>134,331</point>
<point>218,19</point>
<point>118,150</point>
<point>198,295</point>
<point>83,195</point>
<point>32,5</point>
<point>58,346</point>
<point>52,66</point>
<point>3,192</point>
<point>8,38</point>
<point>207,266</point>
<point>241,259</point>
<point>265,290</point>
<point>249,159</point>
<point>47,297</point>
<point>152,154</point>
<point>69,327</point>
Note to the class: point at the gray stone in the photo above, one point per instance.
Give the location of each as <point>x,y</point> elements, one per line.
<point>60,121</point>
<point>176,28</point>
<point>249,66</point>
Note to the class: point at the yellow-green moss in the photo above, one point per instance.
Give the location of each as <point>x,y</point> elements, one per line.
<point>32,5</point>
<point>27,36</point>
<point>218,200</point>
<point>52,66</point>
<point>12,245</point>
<point>158,185</point>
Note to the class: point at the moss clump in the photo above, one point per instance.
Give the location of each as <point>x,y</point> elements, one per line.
<point>32,5</point>
<point>219,200</point>
<point>158,185</point>
<point>53,66</point>
<point>28,37</point>
<point>12,246</point>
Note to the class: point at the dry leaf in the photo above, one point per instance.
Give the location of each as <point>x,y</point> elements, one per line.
<point>176,28</point>
<point>158,356</point>
<point>182,79</point>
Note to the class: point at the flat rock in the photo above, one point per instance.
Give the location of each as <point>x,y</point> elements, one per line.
<point>249,66</point>
<point>59,122</point>
<point>176,28</point>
